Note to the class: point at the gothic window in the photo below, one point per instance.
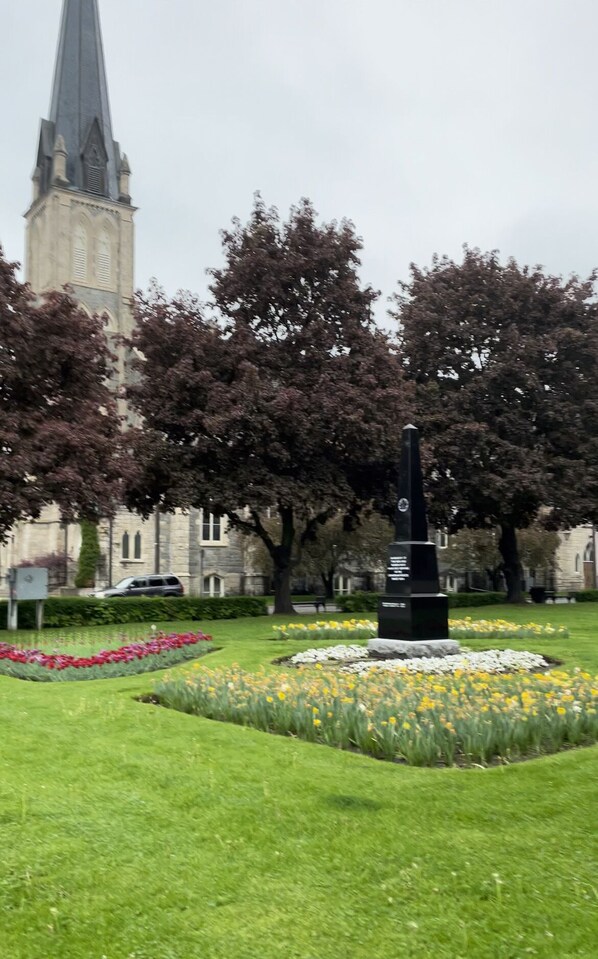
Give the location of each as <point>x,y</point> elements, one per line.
<point>80,254</point>
<point>95,171</point>
<point>588,556</point>
<point>213,586</point>
<point>104,259</point>
<point>137,546</point>
<point>441,539</point>
<point>211,528</point>
<point>577,563</point>
<point>125,546</point>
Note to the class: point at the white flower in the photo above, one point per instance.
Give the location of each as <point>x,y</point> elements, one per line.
<point>489,661</point>
<point>330,654</point>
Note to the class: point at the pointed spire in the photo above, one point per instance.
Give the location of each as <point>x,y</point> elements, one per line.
<point>80,110</point>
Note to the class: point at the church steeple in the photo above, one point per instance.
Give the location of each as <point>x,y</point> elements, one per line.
<point>80,109</point>
<point>80,229</point>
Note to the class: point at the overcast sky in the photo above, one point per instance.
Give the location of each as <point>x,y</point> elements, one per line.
<point>429,123</point>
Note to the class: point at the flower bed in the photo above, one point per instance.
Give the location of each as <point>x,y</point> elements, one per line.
<point>465,719</point>
<point>356,660</point>
<point>493,661</point>
<point>158,652</point>
<point>347,629</point>
<point>467,628</point>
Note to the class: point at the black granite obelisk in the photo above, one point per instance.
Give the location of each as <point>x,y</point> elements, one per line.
<point>412,609</point>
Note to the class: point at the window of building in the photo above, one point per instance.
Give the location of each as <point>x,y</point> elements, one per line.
<point>588,556</point>
<point>104,259</point>
<point>213,586</point>
<point>211,528</point>
<point>137,546</point>
<point>441,539</point>
<point>342,585</point>
<point>577,563</point>
<point>125,546</point>
<point>80,255</point>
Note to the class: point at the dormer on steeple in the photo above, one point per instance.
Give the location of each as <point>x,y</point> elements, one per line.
<point>94,159</point>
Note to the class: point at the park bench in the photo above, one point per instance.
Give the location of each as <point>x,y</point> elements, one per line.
<point>539,594</point>
<point>317,602</point>
<point>552,595</point>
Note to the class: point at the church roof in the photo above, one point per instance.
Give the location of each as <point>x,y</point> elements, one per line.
<point>80,109</point>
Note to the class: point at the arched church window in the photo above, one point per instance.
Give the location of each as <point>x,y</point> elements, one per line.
<point>80,254</point>
<point>104,259</point>
<point>137,546</point>
<point>577,563</point>
<point>213,586</point>
<point>125,546</point>
<point>589,553</point>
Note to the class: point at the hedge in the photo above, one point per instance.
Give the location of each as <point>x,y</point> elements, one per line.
<point>62,611</point>
<point>586,596</point>
<point>368,602</point>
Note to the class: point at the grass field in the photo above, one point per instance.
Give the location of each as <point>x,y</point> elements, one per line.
<point>133,832</point>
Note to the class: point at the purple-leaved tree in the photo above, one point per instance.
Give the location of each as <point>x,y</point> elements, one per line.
<point>283,399</point>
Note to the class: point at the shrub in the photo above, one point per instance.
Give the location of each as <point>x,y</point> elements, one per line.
<point>89,555</point>
<point>63,611</point>
<point>475,599</point>
<point>586,596</point>
<point>368,602</point>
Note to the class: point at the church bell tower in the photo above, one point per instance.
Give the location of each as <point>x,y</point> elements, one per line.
<point>80,223</point>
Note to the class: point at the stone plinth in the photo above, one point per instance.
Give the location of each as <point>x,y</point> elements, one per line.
<point>399,649</point>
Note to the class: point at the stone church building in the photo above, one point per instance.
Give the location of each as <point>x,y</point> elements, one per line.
<point>80,232</point>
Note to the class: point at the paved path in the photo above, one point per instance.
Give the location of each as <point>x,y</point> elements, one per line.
<point>309,609</point>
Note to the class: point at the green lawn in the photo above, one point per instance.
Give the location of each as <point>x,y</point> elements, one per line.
<point>133,832</point>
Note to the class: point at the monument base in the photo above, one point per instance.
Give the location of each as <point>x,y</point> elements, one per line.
<point>418,617</point>
<point>380,648</point>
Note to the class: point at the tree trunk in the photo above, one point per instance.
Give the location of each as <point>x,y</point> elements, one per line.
<point>328,580</point>
<point>283,564</point>
<point>512,568</point>
<point>282,587</point>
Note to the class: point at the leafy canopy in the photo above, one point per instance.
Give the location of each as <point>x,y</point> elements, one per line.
<point>59,429</point>
<point>283,396</point>
<point>504,360</point>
